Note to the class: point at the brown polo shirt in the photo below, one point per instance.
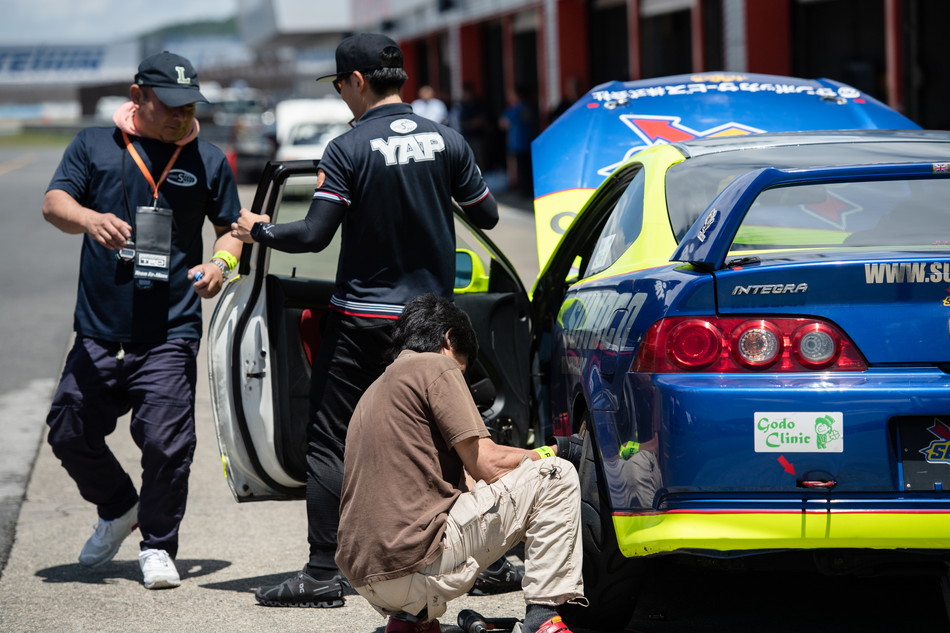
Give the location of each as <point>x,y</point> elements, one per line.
<point>400,475</point>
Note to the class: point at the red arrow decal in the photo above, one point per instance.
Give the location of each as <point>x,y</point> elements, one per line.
<point>830,208</point>
<point>940,430</point>
<point>660,129</point>
<point>786,465</point>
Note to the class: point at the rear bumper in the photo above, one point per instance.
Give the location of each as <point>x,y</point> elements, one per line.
<point>710,433</point>
<point>738,532</point>
<point>703,483</point>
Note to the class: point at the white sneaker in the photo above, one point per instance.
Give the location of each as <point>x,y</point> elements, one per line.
<point>159,569</point>
<point>105,542</point>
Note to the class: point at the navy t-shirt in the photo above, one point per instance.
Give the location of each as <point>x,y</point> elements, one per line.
<point>100,174</point>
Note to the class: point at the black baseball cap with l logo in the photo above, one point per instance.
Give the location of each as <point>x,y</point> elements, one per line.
<point>364,52</point>
<point>172,77</point>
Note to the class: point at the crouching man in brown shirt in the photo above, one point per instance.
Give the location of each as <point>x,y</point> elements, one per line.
<point>412,534</point>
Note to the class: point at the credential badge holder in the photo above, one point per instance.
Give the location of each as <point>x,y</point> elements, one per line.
<point>153,243</point>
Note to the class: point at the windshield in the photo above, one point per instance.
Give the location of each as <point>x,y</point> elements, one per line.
<point>873,213</point>
<point>692,184</point>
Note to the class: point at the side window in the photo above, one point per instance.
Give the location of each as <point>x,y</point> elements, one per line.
<point>294,202</point>
<point>621,230</point>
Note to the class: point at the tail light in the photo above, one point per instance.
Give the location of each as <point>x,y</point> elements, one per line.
<point>743,344</point>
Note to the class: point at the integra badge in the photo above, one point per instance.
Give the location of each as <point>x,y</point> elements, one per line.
<point>770,289</point>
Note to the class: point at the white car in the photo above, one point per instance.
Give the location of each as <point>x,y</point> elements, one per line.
<point>305,126</point>
<point>307,140</point>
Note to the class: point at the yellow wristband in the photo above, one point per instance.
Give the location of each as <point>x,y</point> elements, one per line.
<point>545,451</point>
<point>227,258</point>
<point>629,449</point>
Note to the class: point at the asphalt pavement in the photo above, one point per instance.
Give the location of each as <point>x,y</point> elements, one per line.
<point>227,550</point>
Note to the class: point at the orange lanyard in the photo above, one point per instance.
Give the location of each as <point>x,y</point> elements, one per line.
<point>145,172</point>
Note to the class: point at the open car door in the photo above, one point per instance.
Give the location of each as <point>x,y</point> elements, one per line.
<point>266,330</point>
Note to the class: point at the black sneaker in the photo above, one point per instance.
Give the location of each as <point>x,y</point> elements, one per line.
<point>302,591</point>
<point>499,577</point>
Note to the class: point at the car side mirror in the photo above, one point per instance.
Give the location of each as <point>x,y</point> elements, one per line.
<point>470,276</point>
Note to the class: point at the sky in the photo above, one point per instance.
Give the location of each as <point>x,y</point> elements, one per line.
<point>99,21</point>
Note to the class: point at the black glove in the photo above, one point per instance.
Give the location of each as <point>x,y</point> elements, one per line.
<point>570,448</point>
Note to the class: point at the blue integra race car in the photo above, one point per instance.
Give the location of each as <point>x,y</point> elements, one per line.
<point>743,307</point>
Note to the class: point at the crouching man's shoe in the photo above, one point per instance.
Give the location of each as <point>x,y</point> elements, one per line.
<point>554,625</point>
<point>107,538</point>
<point>302,591</point>
<point>158,569</point>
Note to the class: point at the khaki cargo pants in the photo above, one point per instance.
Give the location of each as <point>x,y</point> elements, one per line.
<point>538,502</point>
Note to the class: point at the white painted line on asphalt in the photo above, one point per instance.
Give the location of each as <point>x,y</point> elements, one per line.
<point>24,415</point>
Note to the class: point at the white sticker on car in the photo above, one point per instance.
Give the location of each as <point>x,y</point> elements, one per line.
<point>799,432</point>
<point>907,273</point>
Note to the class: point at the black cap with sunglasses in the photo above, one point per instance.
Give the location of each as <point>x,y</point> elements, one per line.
<point>363,52</point>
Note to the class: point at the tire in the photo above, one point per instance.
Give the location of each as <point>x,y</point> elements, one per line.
<point>612,582</point>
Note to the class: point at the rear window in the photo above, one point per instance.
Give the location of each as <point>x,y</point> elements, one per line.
<point>692,184</point>
<point>874,213</point>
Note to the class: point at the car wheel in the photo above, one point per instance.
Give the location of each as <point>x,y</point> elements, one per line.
<point>612,582</point>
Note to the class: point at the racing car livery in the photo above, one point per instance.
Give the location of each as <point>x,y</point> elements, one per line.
<point>777,382</point>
